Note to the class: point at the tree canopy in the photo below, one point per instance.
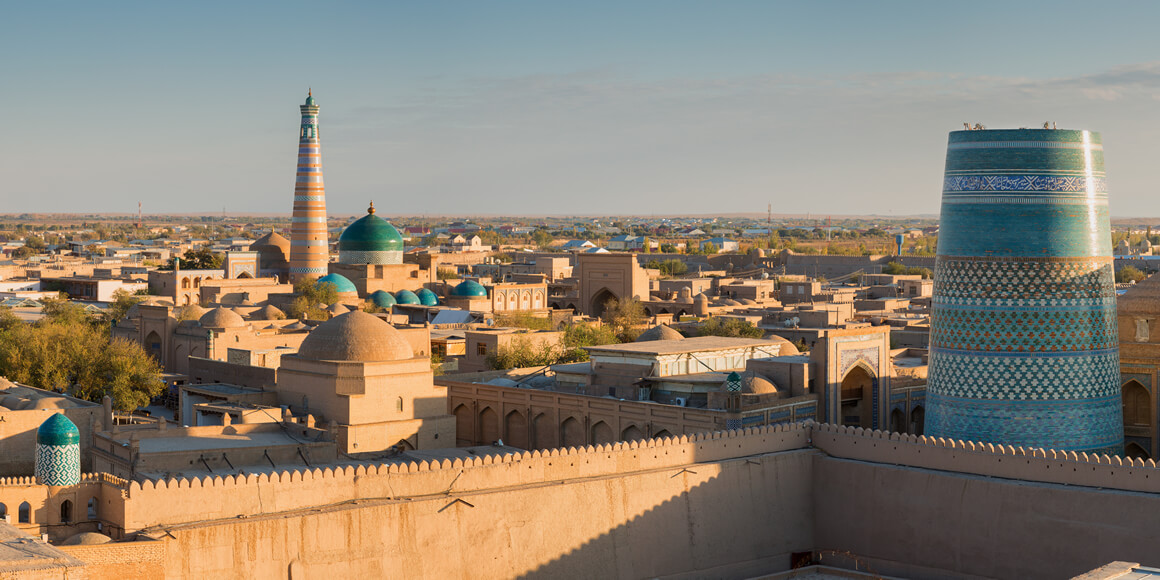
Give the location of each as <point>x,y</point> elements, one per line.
<point>312,299</point>
<point>202,258</point>
<point>69,351</point>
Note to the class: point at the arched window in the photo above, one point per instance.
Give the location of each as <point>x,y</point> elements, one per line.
<point>25,515</point>
<point>92,508</point>
<point>1137,404</point>
<point>3,511</point>
<point>185,283</point>
<point>66,511</point>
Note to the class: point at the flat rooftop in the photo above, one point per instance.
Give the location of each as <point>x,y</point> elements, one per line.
<point>694,344</point>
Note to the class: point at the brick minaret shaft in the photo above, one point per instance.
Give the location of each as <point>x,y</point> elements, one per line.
<point>309,252</point>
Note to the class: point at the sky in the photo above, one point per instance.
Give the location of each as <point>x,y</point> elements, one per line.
<point>561,108</point>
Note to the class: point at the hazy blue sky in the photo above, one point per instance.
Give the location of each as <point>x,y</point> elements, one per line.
<point>557,107</point>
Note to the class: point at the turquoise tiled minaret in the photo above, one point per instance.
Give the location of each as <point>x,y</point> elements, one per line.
<point>1023,345</point>
<point>58,452</point>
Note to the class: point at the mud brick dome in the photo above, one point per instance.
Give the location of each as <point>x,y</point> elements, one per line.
<point>1023,347</point>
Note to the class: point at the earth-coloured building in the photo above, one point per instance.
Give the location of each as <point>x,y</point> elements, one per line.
<point>1023,345</point>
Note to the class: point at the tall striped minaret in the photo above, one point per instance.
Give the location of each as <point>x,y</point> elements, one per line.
<point>309,251</point>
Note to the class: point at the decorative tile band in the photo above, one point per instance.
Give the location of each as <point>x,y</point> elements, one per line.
<point>375,257</point>
<point>58,464</point>
<point>1087,425</point>
<point>1099,199</point>
<point>1024,281</point>
<point>1024,378</point>
<point>1024,331</point>
<point>1024,145</point>
<point>307,270</point>
<point>1047,183</point>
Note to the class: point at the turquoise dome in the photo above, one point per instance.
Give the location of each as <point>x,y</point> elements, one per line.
<point>341,283</point>
<point>406,297</point>
<point>370,240</point>
<point>58,430</point>
<point>469,289</point>
<point>427,297</point>
<point>382,299</point>
<point>310,99</point>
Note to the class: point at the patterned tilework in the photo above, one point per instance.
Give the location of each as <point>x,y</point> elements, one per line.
<point>1034,378</point>
<point>58,464</point>
<point>848,358</point>
<point>1091,425</point>
<point>1024,339</point>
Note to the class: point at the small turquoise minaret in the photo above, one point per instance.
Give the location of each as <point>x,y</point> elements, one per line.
<point>58,452</point>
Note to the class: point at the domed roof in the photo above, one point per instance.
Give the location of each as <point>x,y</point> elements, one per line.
<point>271,240</point>
<point>406,297</point>
<point>1142,298</point>
<point>310,99</point>
<point>355,336</point>
<point>427,297</point>
<point>268,312</point>
<point>87,539</point>
<point>58,430</point>
<point>370,233</point>
<point>659,332</point>
<point>193,312</point>
<point>382,299</point>
<point>341,283</point>
<point>751,384</point>
<point>221,318</point>
<point>337,308</point>
<point>787,348</point>
<point>469,289</point>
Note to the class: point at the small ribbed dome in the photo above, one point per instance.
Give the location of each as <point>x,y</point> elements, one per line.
<point>382,299</point>
<point>58,430</point>
<point>193,312</point>
<point>355,336</point>
<point>469,289</point>
<point>87,539</point>
<point>221,318</point>
<point>267,312</point>
<point>342,284</point>
<point>427,297</point>
<point>406,297</point>
<point>370,240</point>
<point>659,332</point>
<point>337,308</point>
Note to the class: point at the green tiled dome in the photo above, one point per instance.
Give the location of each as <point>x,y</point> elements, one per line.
<point>370,233</point>
<point>341,283</point>
<point>58,430</point>
<point>382,299</point>
<point>427,297</point>
<point>469,289</point>
<point>406,297</point>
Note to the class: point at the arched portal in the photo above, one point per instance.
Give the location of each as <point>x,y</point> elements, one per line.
<point>572,433</point>
<point>488,426</point>
<point>515,430</point>
<point>602,433</point>
<point>858,398</point>
<point>632,433</point>
<point>153,345</point>
<point>464,426</point>
<point>24,514</point>
<point>917,420</point>
<point>600,301</point>
<point>544,432</point>
<point>1134,451</point>
<point>66,509</point>
<point>1137,405</point>
<point>898,421</point>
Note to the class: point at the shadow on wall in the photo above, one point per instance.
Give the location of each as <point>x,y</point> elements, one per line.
<point>732,519</point>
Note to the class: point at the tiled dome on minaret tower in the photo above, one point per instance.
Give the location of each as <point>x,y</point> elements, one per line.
<point>309,250</point>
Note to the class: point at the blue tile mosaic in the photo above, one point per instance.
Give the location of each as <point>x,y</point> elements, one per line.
<point>1024,346</point>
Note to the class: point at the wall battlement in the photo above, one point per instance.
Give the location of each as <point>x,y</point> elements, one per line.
<point>176,501</point>
<point>975,458</point>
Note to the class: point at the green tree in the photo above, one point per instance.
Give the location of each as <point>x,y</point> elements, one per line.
<point>542,238</point>
<point>202,258</point>
<point>312,299</point>
<point>732,327</point>
<point>1129,274</point>
<point>669,249</point>
<point>894,268</point>
<point>67,353</point>
<point>624,316</point>
<point>122,302</point>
